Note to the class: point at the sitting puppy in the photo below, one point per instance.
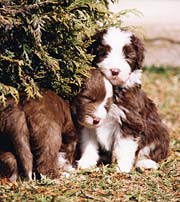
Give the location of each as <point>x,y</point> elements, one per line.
<point>91,109</point>
<point>14,142</point>
<point>37,127</point>
<point>132,128</point>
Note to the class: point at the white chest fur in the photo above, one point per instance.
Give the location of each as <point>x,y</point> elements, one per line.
<point>105,135</point>
<point>106,131</point>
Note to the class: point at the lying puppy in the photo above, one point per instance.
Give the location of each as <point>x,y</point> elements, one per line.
<point>37,127</point>
<point>132,128</point>
<point>92,106</point>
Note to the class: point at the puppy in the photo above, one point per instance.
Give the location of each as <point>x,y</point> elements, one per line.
<point>14,142</point>
<point>92,106</point>
<point>138,135</point>
<point>37,128</point>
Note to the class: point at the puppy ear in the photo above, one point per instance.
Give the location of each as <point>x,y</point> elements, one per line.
<point>97,48</point>
<point>139,49</point>
<point>96,42</point>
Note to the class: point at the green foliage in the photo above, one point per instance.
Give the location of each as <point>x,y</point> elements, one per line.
<point>43,44</point>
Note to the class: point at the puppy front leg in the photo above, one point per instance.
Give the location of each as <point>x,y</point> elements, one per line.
<point>66,156</point>
<point>89,149</point>
<point>69,140</point>
<point>124,152</point>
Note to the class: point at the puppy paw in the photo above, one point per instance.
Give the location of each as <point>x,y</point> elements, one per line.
<point>38,176</point>
<point>86,163</point>
<point>124,167</point>
<point>13,177</point>
<point>63,163</point>
<point>147,164</point>
<point>69,168</point>
<point>30,176</point>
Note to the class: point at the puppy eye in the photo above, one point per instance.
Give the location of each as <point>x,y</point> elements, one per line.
<point>92,99</point>
<point>88,99</point>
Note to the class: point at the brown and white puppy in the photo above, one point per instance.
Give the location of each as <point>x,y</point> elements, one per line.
<point>132,123</point>
<point>92,106</point>
<point>118,54</point>
<point>37,127</point>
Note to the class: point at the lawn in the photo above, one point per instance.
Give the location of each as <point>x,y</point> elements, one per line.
<point>104,183</point>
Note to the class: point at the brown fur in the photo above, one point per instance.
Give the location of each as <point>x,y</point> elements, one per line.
<point>91,95</point>
<point>46,120</point>
<point>8,165</point>
<point>14,139</point>
<point>143,121</point>
<point>97,48</point>
<point>134,53</point>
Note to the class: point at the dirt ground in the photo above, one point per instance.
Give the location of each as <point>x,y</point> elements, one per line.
<point>161,26</point>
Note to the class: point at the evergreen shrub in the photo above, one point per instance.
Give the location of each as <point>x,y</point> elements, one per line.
<point>43,44</point>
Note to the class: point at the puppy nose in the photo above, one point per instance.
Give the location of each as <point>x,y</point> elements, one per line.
<point>96,120</point>
<point>115,72</point>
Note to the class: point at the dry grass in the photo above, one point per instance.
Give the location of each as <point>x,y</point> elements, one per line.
<point>103,183</point>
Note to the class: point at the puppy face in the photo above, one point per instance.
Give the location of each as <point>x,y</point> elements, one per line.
<point>94,101</point>
<point>117,54</point>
